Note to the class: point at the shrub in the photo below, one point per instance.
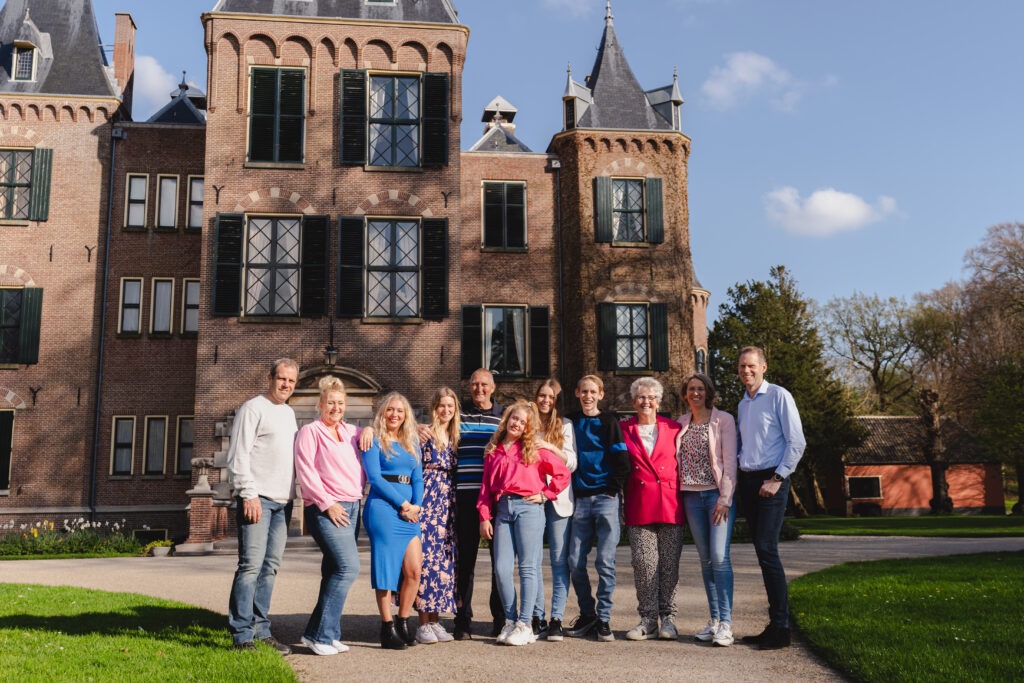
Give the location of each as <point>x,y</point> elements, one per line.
<point>74,537</point>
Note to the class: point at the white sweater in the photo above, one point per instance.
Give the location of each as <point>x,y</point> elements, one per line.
<point>261,459</point>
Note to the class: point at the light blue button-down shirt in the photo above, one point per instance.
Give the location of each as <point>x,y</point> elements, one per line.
<point>770,433</point>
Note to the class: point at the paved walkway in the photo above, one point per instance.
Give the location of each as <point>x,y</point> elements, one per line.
<point>206,581</point>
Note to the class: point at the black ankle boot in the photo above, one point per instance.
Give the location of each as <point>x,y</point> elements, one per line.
<point>389,638</point>
<point>402,628</point>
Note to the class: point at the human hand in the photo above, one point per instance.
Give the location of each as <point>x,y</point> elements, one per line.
<point>720,514</point>
<point>536,499</point>
<point>366,439</point>
<point>338,515</point>
<point>411,513</point>
<point>252,510</point>
<point>425,433</point>
<point>769,488</point>
<point>486,530</point>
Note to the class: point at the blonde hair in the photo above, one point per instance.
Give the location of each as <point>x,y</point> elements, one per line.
<point>527,442</point>
<point>591,378</point>
<point>407,432</point>
<point>550,424</point>
<point>453,426</point>
<point>330,383</point>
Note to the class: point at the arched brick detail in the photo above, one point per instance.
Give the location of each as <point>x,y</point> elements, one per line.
<point>8,397</point>
<point>278,197</point>
<point>15,275</point>
<point>19,136</point>
<point>626,166</point>
<point>399,200</point>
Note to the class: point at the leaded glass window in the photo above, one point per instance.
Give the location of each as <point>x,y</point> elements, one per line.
<point>627,210</point>
<point>631,337</point>
<point>24,63</point>
<point>272,266</point>
<point>15,183</point>
<point>394,121</point>
<point>393,269</point>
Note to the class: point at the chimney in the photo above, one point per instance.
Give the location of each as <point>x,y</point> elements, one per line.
<point>124,58</point>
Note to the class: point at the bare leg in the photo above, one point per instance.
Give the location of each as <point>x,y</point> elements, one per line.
<point>412,567</point>
<point>384,604</point>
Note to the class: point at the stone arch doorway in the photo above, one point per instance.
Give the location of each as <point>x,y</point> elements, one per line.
<point>360,390</point>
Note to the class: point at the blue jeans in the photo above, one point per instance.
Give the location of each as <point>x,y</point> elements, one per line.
<point>557,534</point>
<point>260,547</point>
<point>518,530</point>
<point>712,541</point>
<point>595,517</point>
<point>765,517</point>
<point>338,570</point>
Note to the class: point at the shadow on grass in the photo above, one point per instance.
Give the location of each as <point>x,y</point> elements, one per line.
<point>186,626</point>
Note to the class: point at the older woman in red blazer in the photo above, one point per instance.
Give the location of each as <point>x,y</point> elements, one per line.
<point>654,515</point>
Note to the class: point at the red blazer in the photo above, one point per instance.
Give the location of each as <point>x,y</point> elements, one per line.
<point>652,489</point>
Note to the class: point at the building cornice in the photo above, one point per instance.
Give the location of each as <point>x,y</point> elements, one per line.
<point>332,21</point>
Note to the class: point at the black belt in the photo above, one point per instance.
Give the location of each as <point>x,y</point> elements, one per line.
<point>398,478</point>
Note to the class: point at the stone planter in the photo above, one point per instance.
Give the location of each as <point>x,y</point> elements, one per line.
<point>160,551</point>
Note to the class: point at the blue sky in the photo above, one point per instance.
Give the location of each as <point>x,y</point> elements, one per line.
<point>865,145</point>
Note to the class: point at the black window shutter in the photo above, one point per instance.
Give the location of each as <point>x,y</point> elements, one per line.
<point>351,245</point>
<point>540,342</point>
<point>435,268</point>
<point>291,116</point>
<point>603,209</point>
<point>353,116</point>
<point>607,353</point>
<point>435,119</point>
<point>31,321</point>
<point>515,214</point>
<point>655,213</point>
<point>227,268</point>
<point>262,114</point>
<point>315,243</point>
<point>472,340</point>
<point>659,336</point>
<point>39,199</point>
<point>6,437</point>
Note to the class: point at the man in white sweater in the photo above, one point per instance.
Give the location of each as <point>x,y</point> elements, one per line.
<point>262,470</point>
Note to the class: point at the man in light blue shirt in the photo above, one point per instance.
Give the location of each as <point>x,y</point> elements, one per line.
<point>771,442</point>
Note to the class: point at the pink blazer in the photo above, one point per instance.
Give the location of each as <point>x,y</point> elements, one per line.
<point>722,444</point>
<point>652,489</point>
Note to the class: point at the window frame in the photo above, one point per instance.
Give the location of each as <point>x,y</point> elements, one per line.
<point>271,266</point>
<point>524,341</point>
<point>153,282</point>
<point>186,306</point>
<point>146,471</point>
<point>275,159</point>
<point>178,470</point>
<point>129,202</point>
<point>160,203</point>
<point>16,54</point>
<point>393,123</point>
<point>505,211</point>
<point>878,481</point>
<point>646,337</point>
<point>641,211</point>
<point>10,186</point>
<point>392,269</point>
<point>192,203</point>
<point>115,444</point>
<point>122,306</point>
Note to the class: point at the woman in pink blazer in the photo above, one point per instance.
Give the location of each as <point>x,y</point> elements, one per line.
<point>654,515</point>
<point>707,478</point>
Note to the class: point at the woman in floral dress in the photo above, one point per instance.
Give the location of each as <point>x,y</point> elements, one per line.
<point>437,527</point>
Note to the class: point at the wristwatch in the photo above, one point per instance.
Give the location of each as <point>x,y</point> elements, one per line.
<point>776,477</point>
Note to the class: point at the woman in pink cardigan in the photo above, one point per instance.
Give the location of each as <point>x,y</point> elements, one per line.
<point>707,478</point>
<point>653,514</point>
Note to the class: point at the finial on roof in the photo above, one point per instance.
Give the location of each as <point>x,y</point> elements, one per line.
<point>608,12</point>
<point>27,18</point>
<point>568,69</point>
<point>183,86</point>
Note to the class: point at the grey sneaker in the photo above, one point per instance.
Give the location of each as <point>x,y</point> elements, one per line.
<point>647,628</point>
<point>723,636</point>
<point>708,632</point>
<point>668,629</point>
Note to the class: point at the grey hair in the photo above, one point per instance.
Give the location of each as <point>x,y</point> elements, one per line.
<point>287,362</point>
<point>649,383</point>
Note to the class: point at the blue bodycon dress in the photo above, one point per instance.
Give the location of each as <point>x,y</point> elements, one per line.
<point>389,533</point>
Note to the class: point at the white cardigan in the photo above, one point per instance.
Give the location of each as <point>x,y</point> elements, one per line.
<point>565,503</point>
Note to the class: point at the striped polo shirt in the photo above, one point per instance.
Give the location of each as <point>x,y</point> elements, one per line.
<point>477,427</point>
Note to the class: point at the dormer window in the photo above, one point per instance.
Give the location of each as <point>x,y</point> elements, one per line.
<point>24,63</point>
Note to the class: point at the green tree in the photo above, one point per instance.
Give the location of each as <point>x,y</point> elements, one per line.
<point>775,316</point>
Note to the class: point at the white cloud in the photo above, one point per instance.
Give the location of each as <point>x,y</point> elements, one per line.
<point>825,212</point>
<point>153,86</point>
<point>747,74</point>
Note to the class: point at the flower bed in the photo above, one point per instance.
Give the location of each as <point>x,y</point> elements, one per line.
<point>73,537</point>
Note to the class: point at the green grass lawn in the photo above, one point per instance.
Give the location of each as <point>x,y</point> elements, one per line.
<point>943,525</point>
<point>73,634</point>
<point>955,618</point>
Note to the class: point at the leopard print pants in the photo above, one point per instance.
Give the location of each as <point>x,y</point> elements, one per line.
<point>656,549</point>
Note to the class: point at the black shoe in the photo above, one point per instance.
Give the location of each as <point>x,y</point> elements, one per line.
<point>403,631</point>
<point>582,625</point>
<point>555,632</point>
<point>776,639</point>
<point>540,627</point>
<point>247,646</point>
<point>756,640</point>
<point>496,627</point>
<point>276,644</point>
<point>463,632</point>
<point>389,638</point>
<point>604,632</point>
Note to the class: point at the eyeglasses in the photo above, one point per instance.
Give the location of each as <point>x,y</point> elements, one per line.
<point>647,399</point>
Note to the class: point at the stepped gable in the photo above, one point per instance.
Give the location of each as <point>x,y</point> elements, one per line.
<point>69,59</point>
<point>427,11</point>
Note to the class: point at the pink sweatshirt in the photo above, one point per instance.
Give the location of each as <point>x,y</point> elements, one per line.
<point>328,471</point>
<point>505,472</point>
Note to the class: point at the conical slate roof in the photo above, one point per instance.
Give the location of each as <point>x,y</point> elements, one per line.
<point>427,11</point>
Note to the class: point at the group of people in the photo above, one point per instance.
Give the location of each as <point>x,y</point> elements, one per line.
<point>516,476</point>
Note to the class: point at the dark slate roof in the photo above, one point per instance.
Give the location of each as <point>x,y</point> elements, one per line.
<point>70,62</point>
<point>427,11</point>
<point>900,441</point>
<point>619,101</point>
<point>499,139</point>
<point>180,109</point>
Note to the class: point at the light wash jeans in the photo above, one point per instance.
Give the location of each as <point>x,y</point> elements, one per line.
<point>518,531</point>
<point>557,532</point>
<point>712,543</point>
<point>260,547</point>
<point>595,517</point>
<point>338,570</point>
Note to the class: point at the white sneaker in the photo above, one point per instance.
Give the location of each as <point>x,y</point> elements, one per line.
<point>522,634</point>
<point>708,632</point>
<point>506,631</point>
<point>647,628</point>
<point>339,646</point>
<point>442,635</point>
<point>319,648</point>
<point>668,629</point>
<point>425,635</point>
<point>723,635</point>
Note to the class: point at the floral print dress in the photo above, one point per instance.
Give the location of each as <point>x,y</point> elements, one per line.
<point>437,526</point>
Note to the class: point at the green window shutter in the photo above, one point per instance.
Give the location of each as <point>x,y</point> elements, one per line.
<point>435,119</point>
<point>262,114</point>
<point>227,269</point>
<point>6,439</point>
<point>540,342</point>
<point>515,215</point>
<point>607,353</point>
<point>315,244</point>
<point>603,209</point>
<point>655,214</point>
<point>31,321</point>
<point>351,245</point>
<point>659,336</point>
<point>494,214</point>
<point>291,116</point>
<point>353,116</point>
<point>472,340</point>
<point>435,268</point>
<point>39,199</point>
